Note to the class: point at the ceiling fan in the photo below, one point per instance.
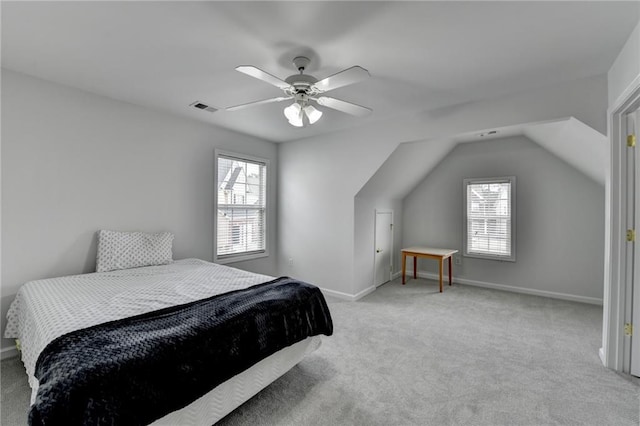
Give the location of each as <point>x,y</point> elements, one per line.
<point>304,89</point>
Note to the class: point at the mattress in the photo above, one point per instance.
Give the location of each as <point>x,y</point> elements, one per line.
<point>229,395</point>
<point>46,309</point>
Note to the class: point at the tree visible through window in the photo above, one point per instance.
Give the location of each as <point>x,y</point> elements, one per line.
<point>241,207</point>
<point>489,218</point>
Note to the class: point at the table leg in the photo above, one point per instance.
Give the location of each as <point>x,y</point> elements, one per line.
<point>415,260</point>
<point>404,266</point>
<point>450,269</point>
<point>440,262</point>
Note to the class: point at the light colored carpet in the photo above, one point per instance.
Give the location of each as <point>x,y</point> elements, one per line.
<point>408,355</point>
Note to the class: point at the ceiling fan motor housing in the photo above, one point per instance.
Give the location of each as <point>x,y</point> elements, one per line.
<point>301,98</point>
<point>301,83</point>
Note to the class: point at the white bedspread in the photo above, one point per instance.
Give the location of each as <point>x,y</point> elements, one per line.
<point>46,309</point>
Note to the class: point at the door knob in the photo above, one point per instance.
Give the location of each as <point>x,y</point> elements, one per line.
<point>378,251</point>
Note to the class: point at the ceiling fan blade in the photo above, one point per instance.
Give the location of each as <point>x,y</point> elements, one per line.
<point>263,75</point>
<point>266,101</point>
<point>343,106</point>
<point>342,78</point>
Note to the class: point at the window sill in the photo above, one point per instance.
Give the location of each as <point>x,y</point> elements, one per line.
<point>489,257</point>
<point>239,258</point>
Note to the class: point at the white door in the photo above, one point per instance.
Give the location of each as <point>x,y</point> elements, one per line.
<point>383,246</point>
<point>633,222</point>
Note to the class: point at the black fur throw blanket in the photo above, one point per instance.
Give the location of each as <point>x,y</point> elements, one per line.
<point>136,370</point>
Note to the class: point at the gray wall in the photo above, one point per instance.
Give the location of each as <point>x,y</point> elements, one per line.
<point>626,67</point>
<point>560,218</point>
<point>74,162</point>
<point>320,176</point>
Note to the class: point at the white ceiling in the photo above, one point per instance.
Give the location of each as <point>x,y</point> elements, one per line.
<point>421,55</point>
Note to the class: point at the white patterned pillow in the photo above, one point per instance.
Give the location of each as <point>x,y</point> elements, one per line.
<point>124,250</point>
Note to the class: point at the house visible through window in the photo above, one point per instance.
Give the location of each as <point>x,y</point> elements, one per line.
<point>489,224</point>
<point>240,230</point>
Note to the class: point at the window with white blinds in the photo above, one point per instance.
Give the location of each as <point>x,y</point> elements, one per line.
<point>241,207</point>
<point>489,224</point>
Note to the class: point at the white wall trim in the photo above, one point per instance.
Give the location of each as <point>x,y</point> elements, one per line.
<point>614,312</point>
<point>347,296</point>
<point>10,352</point>
<point>625,96</point>
<point>524,290</point>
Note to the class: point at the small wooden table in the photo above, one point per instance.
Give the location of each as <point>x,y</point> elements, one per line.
<point>438,254</point>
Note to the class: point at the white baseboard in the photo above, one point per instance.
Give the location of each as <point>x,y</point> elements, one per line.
<point>602,358</point>
<point>9,352</point>
<point>532,291</point>
<point>347,296</point>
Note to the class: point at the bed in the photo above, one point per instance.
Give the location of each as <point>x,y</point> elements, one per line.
<point>46,312</point>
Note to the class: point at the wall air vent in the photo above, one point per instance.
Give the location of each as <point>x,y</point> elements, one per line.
<point>204,107</point>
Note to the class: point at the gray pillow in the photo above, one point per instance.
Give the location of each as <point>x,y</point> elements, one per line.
<point>124,250</point>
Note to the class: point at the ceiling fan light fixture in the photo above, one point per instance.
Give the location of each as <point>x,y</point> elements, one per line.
<point>293,112</point>
<point>296,122</point>
<point>312,113</point>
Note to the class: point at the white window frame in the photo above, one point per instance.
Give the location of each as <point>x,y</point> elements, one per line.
<point>239,257</point>
<point>475,181</point>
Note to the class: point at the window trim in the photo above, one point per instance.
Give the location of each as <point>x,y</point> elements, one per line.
<point>502,179</point>
<point>240,257</point>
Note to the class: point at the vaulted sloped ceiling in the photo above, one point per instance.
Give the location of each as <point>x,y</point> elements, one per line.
<point>576,143</point>
<point>571,140</point>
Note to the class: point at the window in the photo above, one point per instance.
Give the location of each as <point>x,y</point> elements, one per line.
<point>241,207</point>
<point>489,221</point>
<point>235,234</point>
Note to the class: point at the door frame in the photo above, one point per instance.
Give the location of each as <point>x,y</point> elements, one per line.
<point>617,296</point>
<point>375,225</point>
<point>632,302</point>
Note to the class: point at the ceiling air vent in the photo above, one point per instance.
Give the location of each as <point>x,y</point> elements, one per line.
<point>203,107</point>
<point>489,133</point>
